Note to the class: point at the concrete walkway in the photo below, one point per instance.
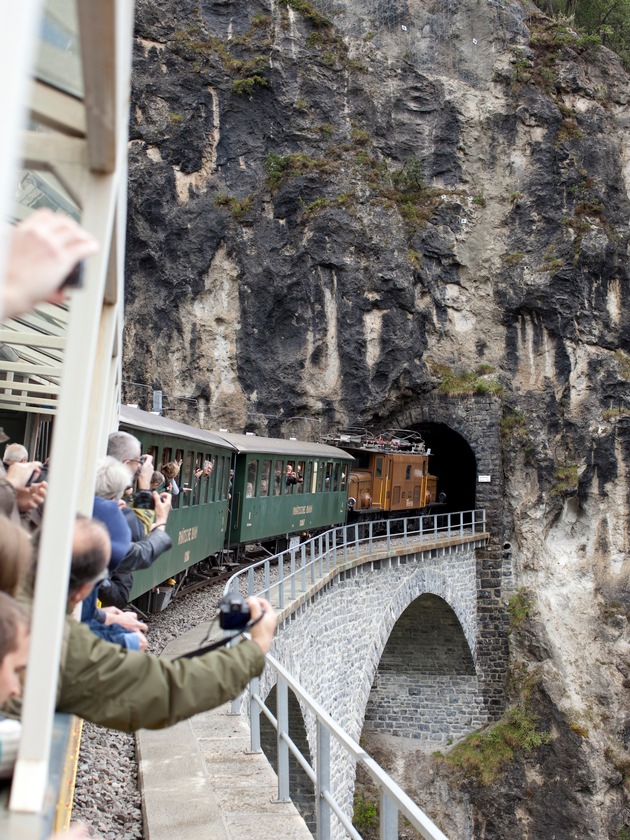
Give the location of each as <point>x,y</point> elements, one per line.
<point>198,781</point>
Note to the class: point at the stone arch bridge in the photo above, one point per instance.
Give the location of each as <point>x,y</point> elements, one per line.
<point>412,642</point>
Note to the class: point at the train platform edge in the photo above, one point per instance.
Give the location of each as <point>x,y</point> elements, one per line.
<point>199,781</point>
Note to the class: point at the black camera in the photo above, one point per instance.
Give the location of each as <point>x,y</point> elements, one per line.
<point>143,500</point>
<point>233,612</point>
<point>74,280</point>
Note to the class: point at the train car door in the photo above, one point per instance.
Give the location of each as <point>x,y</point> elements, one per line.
<point>378,484</point>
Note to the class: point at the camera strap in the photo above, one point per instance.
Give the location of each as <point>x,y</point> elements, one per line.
<point>206,648</point>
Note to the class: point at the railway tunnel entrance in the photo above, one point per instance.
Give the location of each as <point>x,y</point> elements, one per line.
<point>425,686</point>
<point>453,462</point>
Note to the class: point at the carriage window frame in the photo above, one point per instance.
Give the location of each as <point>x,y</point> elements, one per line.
<point>307,476</point>
<point>336,477</point>
<point>300,470</point>
<point>278,477</point>
<point>314,478</point>
<point>252,478</point>
<point>344,476</point>
<point>328,479</point>
<point>265,475</point>
<point>166,456</point>
<point>189,474</point>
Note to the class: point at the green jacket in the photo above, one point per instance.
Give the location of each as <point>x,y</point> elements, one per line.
<point>129,690</point>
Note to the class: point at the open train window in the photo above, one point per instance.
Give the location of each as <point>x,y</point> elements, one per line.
<point>300,477</point>
<point>322,475</point>
<point>336,472</point>
<point>227,477</point>
<point>188,474</point>
<point>314,479</point>
<point>278,478</point>
<point>265,478</point>
<point>252,473</point>
<point>166,456</point>
<point>289,478</point>
<point>329,476</point>
<point>344,476</point>
<point>212,479</point>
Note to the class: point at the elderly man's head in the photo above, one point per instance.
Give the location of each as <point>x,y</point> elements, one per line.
<point>91,550</point>
<point>15,453</point>
<point>126,448</point>
<point>14,637</point>
<point>112,478</point>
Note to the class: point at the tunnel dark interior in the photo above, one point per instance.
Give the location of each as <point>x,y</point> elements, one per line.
<point>453,462</point>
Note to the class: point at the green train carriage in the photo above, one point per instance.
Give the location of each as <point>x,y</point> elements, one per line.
<point>265,505</point>
<point>199,518</point>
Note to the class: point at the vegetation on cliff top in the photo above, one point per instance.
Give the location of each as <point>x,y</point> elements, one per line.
<point>606,20</point>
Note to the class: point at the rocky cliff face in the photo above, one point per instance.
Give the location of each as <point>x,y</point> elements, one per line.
<point>338,220</point>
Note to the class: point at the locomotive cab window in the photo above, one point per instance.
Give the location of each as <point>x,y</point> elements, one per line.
<point>379,468</point>
<point>265,478</point>
<point>252,473</point>
<point>408,472</point>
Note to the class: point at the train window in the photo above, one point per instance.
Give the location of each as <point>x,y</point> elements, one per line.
<point>188,474</point>
<point>379,468</point>
<point>300,477</point>
<point>166,455</point>
<point>329,474</point>
<point>336,471</point>
<point>290,479</point>
<point>265,477</point>
<point>314,480</point>
<point>252,472</point>
<point>228,476</point>
<point>344,476</point>
<point>308,477</point>
<point>322,475</point>
<point>212,478</point>
<point>277,478</point>
<point>425,466</point>
<point>407,472</point>
<point>219,479</point>
<point>153,452</point>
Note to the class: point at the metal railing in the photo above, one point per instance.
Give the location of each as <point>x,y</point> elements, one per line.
<point>308,562</point>
<point>393,801</point>
<point>298,568</point>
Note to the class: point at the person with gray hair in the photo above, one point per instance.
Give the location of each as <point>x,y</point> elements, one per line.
<point>112,478</point>
<point>145,547</point>
<point>15,453</point>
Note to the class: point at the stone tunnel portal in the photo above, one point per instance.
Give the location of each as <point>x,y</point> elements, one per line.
<point>426,683</point>
<point>453,462</point>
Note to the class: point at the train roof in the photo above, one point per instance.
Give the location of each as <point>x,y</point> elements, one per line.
<point>149,422</point>
<point>281,446</point>
<point>135,418</point>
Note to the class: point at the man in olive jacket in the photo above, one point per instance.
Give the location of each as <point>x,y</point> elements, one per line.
<point>129,690</point>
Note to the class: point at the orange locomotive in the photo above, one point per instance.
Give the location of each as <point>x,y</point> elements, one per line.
<point>390,473</point>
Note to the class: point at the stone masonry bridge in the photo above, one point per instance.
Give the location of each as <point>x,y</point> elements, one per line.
<point>411,642</point>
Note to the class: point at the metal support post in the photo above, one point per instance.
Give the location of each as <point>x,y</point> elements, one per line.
<point>323,781</point>
<point>282,697</point>
<point>389,818</point>
<point>254,717</point>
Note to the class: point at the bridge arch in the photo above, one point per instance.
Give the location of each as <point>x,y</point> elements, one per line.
<point>425,686</point>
